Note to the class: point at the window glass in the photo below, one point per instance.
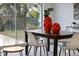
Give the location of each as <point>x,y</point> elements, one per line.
<point>7,19</point>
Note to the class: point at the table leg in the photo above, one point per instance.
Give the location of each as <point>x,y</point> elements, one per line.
<point>26,50</point>
<point>26,40</point>
<point>48,44</point>
<point>55,47</point>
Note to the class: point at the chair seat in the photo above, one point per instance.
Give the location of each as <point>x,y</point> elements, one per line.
<point>73,46</point>
<point>70,47</point>
<point>39,44</point>
<point>64,40</point>
<point>13,49</point>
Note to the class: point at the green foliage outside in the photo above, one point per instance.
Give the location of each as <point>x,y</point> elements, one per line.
<point>8,13</point>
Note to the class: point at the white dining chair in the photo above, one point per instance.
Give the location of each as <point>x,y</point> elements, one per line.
<point>62,43</point>
<point>39,40</point>
<point>73,44</point>
<point>32,41</point>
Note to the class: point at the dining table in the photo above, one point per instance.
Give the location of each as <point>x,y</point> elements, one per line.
<point>6,41</point>
<point>61,35</point>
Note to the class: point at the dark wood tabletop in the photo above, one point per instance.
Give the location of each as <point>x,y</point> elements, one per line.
<point>55,37</point>
<point>61,35</point>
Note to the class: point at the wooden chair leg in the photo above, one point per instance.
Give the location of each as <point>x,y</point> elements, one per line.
<point>73,51</point>
<point>69,52</point>
<point>29,49</point>
<point>77,50</point>
<point>65,51</point>
<point>40,51</point>
<point>46,50</point>
<point>0,53</point>
<point>5,53</point>
<point>35,51</point>
<point>43,47</point>
<point>21,54</point>
<point>60,51</point>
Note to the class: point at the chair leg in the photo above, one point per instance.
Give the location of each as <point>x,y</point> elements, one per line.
<point>69,52</point>
<point>65,51</point>
<point>0,53</point>
<point>73,51</point>
<point>60,51</point>
<point>29,49</point>
<point>78,50</point>
<point>43,47</point>
<point>40,51</point>
<point>35,51</point>
<point>46,50</point>
<point>20,53</point>
<point>5,53</point>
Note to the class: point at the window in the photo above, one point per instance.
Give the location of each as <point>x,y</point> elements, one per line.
<point>14,20</point>
<point>7,17</point>
<point>34,16</point>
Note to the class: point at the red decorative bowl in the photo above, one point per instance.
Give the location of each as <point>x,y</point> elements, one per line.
<point>56,28</point>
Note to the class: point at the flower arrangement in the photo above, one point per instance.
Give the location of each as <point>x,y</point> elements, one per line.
<point>33,13</point>
<point>47,12</point>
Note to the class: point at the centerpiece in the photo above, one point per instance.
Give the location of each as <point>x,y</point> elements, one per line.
<point>47,20</point>
<point>56,28</point>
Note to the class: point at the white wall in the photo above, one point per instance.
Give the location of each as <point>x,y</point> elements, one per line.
<point>63,13</point>
<point>50,5</point>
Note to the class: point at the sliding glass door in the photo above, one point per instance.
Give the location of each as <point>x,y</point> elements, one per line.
<point>7,20</point>
<point>28,17</point>
<point>17,17</point>
<point>21,20</point>
<point>33,16</point>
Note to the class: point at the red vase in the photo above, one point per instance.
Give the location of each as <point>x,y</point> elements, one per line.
<point>47,24</point>
<point>56,28</point>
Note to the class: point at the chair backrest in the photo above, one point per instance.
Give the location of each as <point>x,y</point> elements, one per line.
<point>31,39</point>
<point>74,43</point>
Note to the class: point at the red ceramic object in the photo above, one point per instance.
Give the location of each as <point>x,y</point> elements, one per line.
<point>47,24</point>
<point>56,28</point>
